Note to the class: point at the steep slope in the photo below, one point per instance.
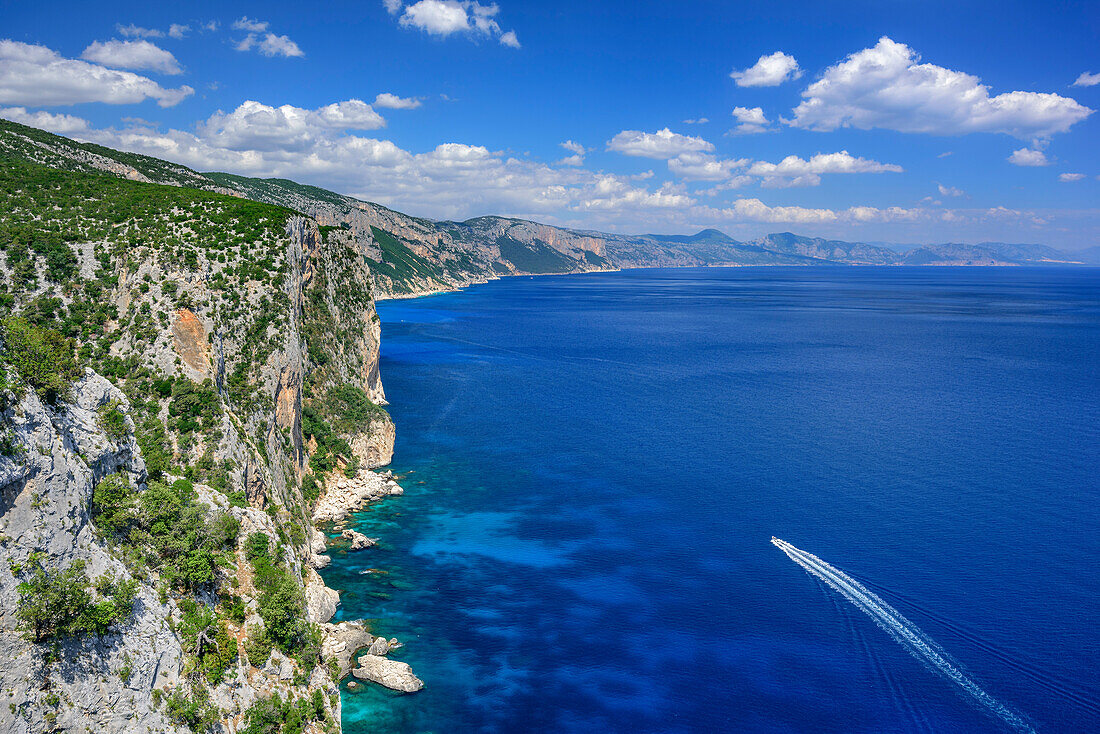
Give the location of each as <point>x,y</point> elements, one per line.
<point>184,377</point>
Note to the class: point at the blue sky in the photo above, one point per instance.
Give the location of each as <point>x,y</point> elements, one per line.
<point>892,121</point>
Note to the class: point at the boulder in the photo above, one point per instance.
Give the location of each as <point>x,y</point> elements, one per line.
<point>392,674</point>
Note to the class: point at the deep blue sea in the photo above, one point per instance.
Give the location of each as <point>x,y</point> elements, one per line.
<point>595,464</point>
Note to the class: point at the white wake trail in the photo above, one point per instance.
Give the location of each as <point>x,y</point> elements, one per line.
<point>907,634</point>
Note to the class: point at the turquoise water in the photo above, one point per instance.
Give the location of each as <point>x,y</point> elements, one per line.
<point>594,467</point>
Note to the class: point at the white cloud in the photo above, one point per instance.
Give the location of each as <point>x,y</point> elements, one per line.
<point>210,26</point>
<point>698,121</point>
<point>393,7</point>
<point>446,17</point>
<point>703,167</point>
<point>178,30</point>
<point>133,31</point>
<point>393,102</point>
<point>40,77</point>
<point>273,45</point>
<point>251,25</point>
<point>132,55</point>
<point>1028,157</point>
<point>1069,177</point>
<point>60,124</point>
<point>949,190</point>
<point>794,171</point>
<point>1087,79</point>
<point>751,120</point>
<point>768,71</point>
<point>887,87</point>
<point>662,145</point>
<point>578,151</point>
<point>254,126</point>
<point>260,38</point>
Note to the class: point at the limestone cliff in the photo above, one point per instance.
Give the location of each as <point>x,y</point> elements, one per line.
<point>162,344</point>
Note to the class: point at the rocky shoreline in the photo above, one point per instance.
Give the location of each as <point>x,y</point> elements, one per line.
<point>345,640</point>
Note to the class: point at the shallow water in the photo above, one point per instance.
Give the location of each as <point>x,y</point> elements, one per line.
<point>594,466</point>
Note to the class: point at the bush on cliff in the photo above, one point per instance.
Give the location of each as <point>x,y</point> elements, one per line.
<point>42,357</point>
<point>59,603</point>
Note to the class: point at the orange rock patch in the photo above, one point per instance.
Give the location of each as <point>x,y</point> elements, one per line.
<point>189,341</point>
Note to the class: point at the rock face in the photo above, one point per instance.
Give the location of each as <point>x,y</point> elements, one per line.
<point>321,601</point>
<point>392,674</point>
<point>44,494</point>
<point>374,447</point>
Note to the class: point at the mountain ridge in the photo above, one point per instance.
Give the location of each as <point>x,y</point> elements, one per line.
<point>411,255</point>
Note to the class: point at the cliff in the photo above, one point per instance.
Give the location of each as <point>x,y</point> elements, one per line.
<point>184,376</point>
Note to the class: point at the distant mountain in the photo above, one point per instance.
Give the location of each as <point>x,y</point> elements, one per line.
<point>1090,255</point>
<point>816,248</point>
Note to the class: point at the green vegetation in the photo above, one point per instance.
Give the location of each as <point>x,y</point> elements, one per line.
<point>281,604</point>
<point>534,258</point>
<point>165,528</point>
<point>400,263</point>
<point>112,421</point>
<point>60,603</point>
<point>206,639</point>
<point>193,710</point>
<point>274,716</point>
<point>42,358</point>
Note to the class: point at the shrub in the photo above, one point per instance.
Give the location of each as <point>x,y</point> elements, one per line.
<point>112,421</point>
<point>60,603</point>
<point>112,505</point>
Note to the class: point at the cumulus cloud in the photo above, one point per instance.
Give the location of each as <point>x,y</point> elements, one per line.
<point>1087,79</point>
<point>704,167</point>
<point>178,30</point>
<point>40,77</point>
<point>662,145</point>
<point>59,123</point>
<point>886,87</point>
<point>446,17</point>
<point>578,151</point>
<point>393,7</point>
<point>1069,177</point>
<point>697,121</point>
<point>750,120</point>
<point>254,126</point>
<point>1028,157</point>
<point>132,55</point>
<point>768,71</point>
<point>949,190</point>
<point>795,171</point>
<point>393,102</point>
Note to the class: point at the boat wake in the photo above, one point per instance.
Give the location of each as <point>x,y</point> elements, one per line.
<point>907,634</point>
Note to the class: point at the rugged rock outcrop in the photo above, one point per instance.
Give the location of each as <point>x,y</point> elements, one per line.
<point>392,674</point>
<point>100,683</point>
<point>343,496</point>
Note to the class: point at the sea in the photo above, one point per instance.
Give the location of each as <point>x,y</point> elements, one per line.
<point>595,467</point>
